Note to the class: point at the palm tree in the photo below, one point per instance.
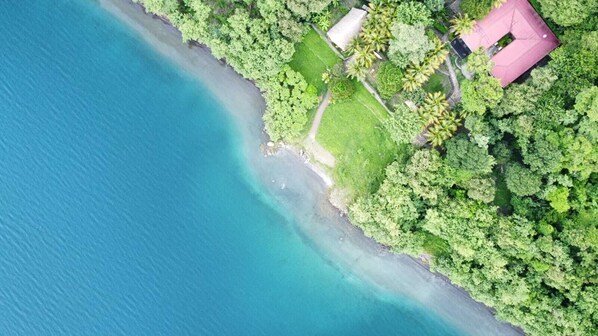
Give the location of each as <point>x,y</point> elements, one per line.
<point>436,136</point>
<point>450,123</point>
<point>365,57</point>
<point>462,24</point>
<point>428,115</point>
<point>498,3</point>
<point>436,102</point>
<point>356,71</point>
<point>410,83</point>
<point>420,73</point>
<point>355,44</point>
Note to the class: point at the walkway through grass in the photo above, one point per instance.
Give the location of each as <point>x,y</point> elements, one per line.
<point>353,132</point>
<point>312,57</point>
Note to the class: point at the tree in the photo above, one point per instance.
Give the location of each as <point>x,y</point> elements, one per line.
<point>543,154</point>
<point>304,8</point>
<point>481,189</point>
<point>356,71</point>
<point>476,8</point>
<point>522,98</point>
<point>467,157</point>
<point>412,12</point>
<point>288,100</point>
<point>558,199</point>
<point>445,127</point>
<point>389,80</point>
<point>434,5</point>
<point>409,44</point>
<point>462,24</point>
<point>521,181</point>
<point>587,103</point>
<point>404,126</point>
<point>479,63</point>
<point>480,94</point>
<point>570,12</point>
<point>575,63</point>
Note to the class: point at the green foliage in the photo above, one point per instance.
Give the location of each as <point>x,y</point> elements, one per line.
<point>342,89</point>
<point>478,62</point>
<point>389,80</point>
<point>404,126</point>
<point>412,12</point>
<point>481,189</point>
<point>575,63</point>
<point>434,5</point>
<point>558,199</point>
<point>521,181</point>
<point>465,156</point>
<point>409,44</point>
<point>441,27</point>
<point>587,103</point>
<point>570,12</point>
<point>324,20</point>
<point>288,101</point>
<point>305,8</point>
<point>462,24</point>
<point>418,74</point>
<point>480,94</point>
<point>476,9</point>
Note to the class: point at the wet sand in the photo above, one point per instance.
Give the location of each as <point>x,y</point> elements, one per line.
<point>302,194</point>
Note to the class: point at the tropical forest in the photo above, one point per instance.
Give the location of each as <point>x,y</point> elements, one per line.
<point>493,184</point>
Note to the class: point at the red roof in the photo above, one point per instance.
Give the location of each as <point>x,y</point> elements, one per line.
<point>532,39</point>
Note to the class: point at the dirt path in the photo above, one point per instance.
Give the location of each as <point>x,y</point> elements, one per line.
<point>310,143</point>
<point>455,96</point>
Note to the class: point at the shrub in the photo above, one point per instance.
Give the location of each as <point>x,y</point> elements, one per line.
<point>389,80</point>
<point>342,89</point>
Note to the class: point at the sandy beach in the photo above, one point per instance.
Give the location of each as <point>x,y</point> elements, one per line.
<point>295,187</point>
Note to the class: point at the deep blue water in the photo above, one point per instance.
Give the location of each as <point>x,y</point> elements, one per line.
<point>126,209</point>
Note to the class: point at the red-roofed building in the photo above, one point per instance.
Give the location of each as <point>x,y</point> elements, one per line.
<point>532,39</point>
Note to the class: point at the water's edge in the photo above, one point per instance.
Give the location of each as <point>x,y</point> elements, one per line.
<point>341,243</point>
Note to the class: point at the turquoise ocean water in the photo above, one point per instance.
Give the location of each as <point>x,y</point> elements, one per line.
<point>125,208</point>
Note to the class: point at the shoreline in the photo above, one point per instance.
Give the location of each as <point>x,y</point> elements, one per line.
<point>301,187</point>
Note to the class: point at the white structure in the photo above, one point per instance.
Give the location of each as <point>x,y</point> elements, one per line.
<point>347,28</point>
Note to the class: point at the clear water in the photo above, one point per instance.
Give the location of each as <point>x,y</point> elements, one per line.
<point>125,208</point>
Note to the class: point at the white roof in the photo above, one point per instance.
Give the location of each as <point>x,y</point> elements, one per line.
<point>347,28</point>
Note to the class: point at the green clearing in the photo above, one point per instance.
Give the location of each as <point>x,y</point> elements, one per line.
<point>312,57</point>
<point>437,82</point>
<point>352,131</point>
<point>502,197</point>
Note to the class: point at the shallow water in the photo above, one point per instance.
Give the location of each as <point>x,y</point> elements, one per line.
<point>127,206</point>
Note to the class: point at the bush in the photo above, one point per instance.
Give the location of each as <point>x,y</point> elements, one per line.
<point>476,8</point>
<point>389,80</point>
<point>342,88</point>
<point>441,27</point>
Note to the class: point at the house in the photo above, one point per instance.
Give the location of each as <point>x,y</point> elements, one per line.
<point>347,28</point>
<point>531,38</point>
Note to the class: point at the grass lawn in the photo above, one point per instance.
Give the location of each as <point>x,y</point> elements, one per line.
<point>312,57</point>
<point>351,130</point>
<point>437,82</point>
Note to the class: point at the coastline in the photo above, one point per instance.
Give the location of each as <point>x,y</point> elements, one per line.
<point>301,188</point>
